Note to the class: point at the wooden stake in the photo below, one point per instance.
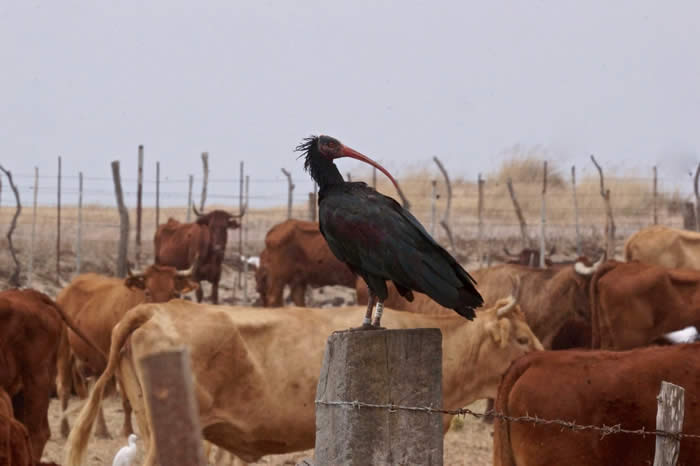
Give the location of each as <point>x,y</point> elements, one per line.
<point>609,221</point>
<point>445,222</point>
<point>78,240</point>
<point>656,215</point>
<point>205,180</point>
<point>157,194</point>
<point>240,230</point>
<point>58,226</point>
<point>433,207</point>
<point>697,198</point>
<point>173,408</point>
<point>578,233</point>
<point>543,214</point>
<point>189,199</point>
<point>519,214</point>
<point>139,205</point>
<point>33,239</point>
<point>123,221</point>
<point>290,190</point>
<point>669,418</point>
<point>480,209</point>
<point>15,277</point>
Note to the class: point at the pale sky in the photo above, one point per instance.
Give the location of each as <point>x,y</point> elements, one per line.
<point>399,81</point>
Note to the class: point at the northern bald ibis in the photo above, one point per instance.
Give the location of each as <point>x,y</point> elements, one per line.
<point>380,240</point>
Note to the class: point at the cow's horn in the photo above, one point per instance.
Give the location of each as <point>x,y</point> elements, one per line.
<point>134,274</point>
<point>242,213</point>
<point>191,270</point>
<point>581,269</point>
<point>505,249</point>
<point>506,308</point>
<point>515,280</point>
<point>196,212</point>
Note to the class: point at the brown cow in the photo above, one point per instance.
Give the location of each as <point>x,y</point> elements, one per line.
<point>664,246</point>
<point>555,300</point>
<point>296,254</point>
<point>96,303</point>
<point>593,387</point>
<point>15,447</point>
<point>30,330</point>
<point>634,303</point>
<point>265,380</point>
<point>179,244</point>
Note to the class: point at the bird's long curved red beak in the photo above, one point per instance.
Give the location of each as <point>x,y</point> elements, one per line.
<point>352,153</point>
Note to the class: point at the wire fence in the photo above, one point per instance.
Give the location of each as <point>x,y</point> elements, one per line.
<point>489,221</point>
<point>604,430</point>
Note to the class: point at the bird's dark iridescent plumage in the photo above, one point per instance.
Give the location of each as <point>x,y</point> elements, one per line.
<point>380,240</point>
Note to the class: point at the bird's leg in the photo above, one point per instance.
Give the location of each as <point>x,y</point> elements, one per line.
<point>367,322</point>
<point>378,315</point>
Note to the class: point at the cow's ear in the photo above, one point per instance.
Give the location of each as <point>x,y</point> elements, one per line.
<point>499,331</point>
<point>135,282</point>
<point>185,285</point>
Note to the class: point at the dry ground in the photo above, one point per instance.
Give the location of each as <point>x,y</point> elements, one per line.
<point>469,444</point>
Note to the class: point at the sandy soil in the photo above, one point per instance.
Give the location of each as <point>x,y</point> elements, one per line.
<point>468,444</point>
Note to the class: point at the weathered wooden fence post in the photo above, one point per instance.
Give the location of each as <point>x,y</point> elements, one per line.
<point>15,277</point>
<point>697,198</point>
<point>241,183</point>
<point>290,191</point>
<point>79,236</point>
<point>205,180</point>
<point>519,213</point>
<point>656,193</point>
<point>480,212</point>
<point>139,205</point>
<point>123,221</point>
<point>58,225</point>
<point>543,213</point>
<point>445,222</point>
<point>669,418</point>
<point>32,242</point>
<point>173,407</point>
<point>609,220</point>
<point>372,367</point>
<point>189,198</point>
<point>433,206</point>
<point>578,233</point>
<point>157,194</point>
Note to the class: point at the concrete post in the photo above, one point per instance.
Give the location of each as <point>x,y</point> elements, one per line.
<point>382,367</point>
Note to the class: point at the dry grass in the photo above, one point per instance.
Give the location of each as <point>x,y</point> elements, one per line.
<point>631,198</point>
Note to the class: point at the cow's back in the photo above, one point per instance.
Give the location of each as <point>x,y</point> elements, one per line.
<point>597,388</point>
<point>96,303</point>
<point>664,246</point>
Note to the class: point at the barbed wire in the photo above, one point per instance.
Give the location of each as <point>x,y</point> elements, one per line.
<point>571,425</point>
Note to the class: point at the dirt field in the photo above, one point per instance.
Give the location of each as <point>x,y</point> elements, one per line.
<point>470,444</point>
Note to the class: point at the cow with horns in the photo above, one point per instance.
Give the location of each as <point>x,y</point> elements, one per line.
<point>177,244</point>
<point>96,303</point>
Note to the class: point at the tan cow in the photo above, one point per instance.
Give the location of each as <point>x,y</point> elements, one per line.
<point>600,388</point>
<point>664,246</point>
<point>634,303</point>
<point>297,255</point>
<point>96,303</point>
<point>256,370</point>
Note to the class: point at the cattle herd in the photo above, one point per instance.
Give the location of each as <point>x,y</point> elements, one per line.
<point>579,341</point>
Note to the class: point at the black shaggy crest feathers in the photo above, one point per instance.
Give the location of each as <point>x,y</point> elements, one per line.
<point>305,148</point>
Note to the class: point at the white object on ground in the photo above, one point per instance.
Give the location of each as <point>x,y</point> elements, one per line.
<point>125,456</point>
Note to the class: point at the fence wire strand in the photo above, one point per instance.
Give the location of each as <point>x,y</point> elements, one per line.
<point>571,425</point>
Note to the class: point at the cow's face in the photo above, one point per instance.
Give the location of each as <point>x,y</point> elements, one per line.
<point>506,338</point>
<point>219,222</point>
<point>161,283</point>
